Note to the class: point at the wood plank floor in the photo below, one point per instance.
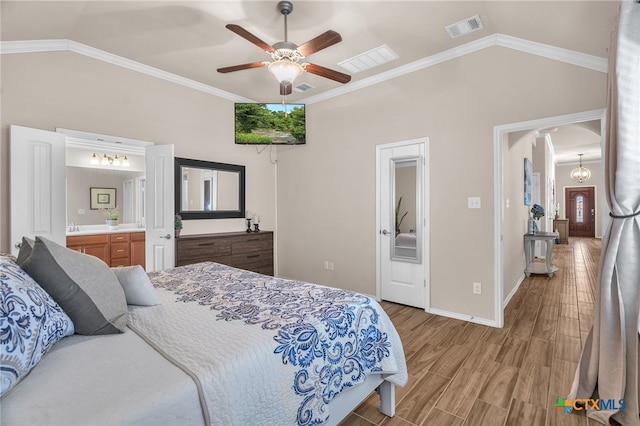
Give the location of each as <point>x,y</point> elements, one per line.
<point>462,373</point>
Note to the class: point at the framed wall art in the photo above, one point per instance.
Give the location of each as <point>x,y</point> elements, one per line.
<point>102,198</point>
<point>527,182</point>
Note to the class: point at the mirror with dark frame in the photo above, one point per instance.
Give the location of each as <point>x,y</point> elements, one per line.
<point>208,190</point>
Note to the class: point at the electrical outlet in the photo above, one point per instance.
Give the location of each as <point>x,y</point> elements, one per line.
<point>326,265</point>
<point>477,288</point>
<point>474,202</point>
<point>331,266</point>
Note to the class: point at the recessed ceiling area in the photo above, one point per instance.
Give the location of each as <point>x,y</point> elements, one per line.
<point>189,39</point>
<point>570,140</point>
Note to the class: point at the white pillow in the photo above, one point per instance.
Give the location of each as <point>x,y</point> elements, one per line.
<point>137,286</point>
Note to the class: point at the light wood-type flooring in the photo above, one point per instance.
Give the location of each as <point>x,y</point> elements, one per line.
<point>462,373</point>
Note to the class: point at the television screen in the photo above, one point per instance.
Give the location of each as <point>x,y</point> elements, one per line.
<point>266,124</point>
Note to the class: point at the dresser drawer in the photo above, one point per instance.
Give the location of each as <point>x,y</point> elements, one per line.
<point>117,263</point>
<point>244,250</point>
<point>250,261</point>
<point>119,251</point>
<point>251,243</point>
<point>87,240</point>
<point>202,249</point>
<point>119,238</point>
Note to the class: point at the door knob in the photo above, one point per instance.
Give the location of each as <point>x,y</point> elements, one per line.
<point>385,232</point>
<point>17,245</point>
<point>168,236</point>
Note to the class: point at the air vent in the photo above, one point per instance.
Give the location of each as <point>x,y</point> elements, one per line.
<point>303,87</point>
<point>465,26</point>
<point>369,59</point>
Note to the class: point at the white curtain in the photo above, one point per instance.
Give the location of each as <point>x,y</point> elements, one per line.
<point>609,365</point>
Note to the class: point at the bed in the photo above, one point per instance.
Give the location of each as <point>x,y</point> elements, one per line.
<point>215,345</point>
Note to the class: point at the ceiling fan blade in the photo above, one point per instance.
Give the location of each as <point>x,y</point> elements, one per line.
<point>242,67</point>
<point>323,41</point>
<point>286,88</point>
<point>250,37</point>
<point>328,73</point>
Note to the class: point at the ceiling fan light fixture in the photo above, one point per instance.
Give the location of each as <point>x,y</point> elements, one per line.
<point>285,70</point>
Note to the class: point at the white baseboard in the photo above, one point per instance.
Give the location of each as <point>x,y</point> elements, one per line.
<point>512,292</point>
<point>469,318</point>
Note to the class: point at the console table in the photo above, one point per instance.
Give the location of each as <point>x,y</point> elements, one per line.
<point>562,226</point>
<point>245,250</point>
<point>529,248</point>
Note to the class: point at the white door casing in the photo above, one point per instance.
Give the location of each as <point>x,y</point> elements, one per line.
<point>401,281</point>
<point>159,205</point>
<point>38,195</point>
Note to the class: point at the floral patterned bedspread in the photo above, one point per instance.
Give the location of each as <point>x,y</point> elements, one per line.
<point>327,339</point>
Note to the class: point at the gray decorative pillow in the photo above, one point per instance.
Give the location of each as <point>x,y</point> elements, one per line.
<point>136,285</point>
<point>83,286</point>
<point>31,322</point>
<point>25,250</point>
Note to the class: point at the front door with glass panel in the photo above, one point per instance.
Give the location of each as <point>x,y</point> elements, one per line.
<point>581,211</point>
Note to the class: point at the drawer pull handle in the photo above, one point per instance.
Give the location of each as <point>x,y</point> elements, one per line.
<point>205,244</point>
<point>120,250</point>
<point>253,255</point>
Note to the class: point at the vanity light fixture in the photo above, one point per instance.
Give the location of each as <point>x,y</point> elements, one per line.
<point>580,174</point>
<point>110,160</point>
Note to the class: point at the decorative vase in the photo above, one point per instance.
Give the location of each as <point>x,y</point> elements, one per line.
<point>112,223</point>
<point>533,226</point>
<point>177,233</point>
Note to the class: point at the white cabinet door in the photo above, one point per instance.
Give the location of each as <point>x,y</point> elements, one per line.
<point>38,196</point>
<point>159,208</point>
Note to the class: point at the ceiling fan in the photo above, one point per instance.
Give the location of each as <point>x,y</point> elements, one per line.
<point>286,56</point>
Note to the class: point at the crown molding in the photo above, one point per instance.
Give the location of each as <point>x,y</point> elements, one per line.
<point>427,62</point>
<point>32,46</point>
<point>572,57</point>
<point>564,55</point>
<point>559,54</point>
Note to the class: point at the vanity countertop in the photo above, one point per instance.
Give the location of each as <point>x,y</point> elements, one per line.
<point>103,229</point>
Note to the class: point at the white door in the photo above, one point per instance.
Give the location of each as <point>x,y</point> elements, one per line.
<point>159,207</point>
<point>38,196</point>
<point>401,219</point>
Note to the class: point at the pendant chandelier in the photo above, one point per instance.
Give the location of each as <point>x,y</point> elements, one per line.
<point>580,174</point>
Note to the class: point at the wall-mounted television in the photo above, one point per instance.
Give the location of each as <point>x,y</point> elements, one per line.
<point>270,124</point>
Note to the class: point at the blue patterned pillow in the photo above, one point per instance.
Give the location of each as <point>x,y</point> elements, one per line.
<point>31,322</point>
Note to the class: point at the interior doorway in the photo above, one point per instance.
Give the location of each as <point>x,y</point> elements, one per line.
<point>581,211</point>
<point>508,239</point>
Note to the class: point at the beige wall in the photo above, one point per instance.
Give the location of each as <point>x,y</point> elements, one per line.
<point>326,188</point>
<point>516,213</point>
<point>62,89</point>
<point>330,213</point>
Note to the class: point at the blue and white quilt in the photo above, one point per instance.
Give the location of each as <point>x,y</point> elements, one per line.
<point>266,350</point>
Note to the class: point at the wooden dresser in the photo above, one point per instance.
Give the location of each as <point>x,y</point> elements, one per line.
<point>121,249</point>
<point>562,226</point>
<point>252,251</point>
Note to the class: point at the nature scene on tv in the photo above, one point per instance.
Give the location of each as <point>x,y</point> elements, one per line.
<point>270,123</point>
